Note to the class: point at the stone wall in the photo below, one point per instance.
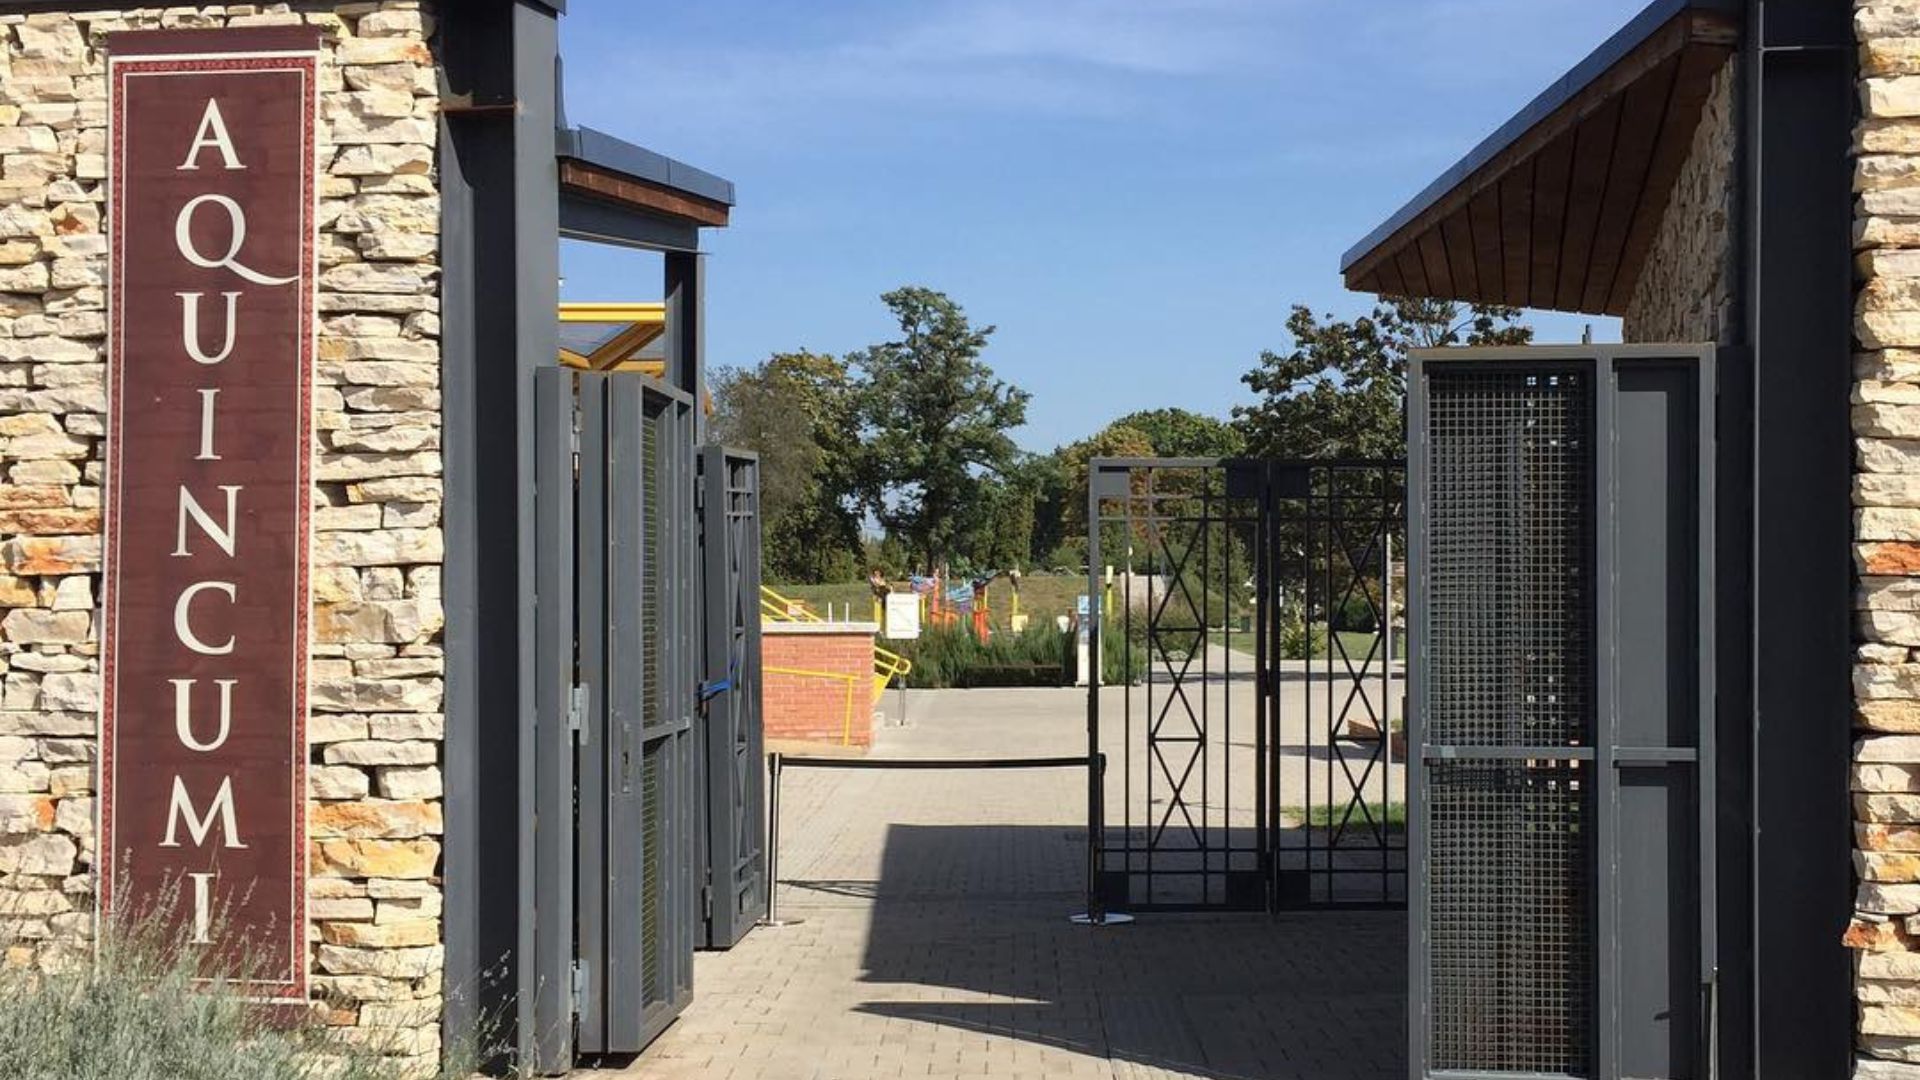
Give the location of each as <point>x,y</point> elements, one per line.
<point>1685,292</point>
<point>1886,495</point>
<point>817,684</point>
<point>377,669</point>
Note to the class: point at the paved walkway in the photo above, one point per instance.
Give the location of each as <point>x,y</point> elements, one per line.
<point>936,944</point>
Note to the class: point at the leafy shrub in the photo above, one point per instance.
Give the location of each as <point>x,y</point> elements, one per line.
<point>142,1010</point>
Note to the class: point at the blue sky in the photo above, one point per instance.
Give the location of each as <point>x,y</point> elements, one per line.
<point>1133,191</point>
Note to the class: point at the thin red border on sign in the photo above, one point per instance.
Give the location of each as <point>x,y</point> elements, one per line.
<point>214,60</point>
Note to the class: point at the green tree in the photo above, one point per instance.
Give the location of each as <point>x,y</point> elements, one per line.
<point>935,422</point>
<point>796,410</point>
<point>1184,433</point>
<point>1341,391</point>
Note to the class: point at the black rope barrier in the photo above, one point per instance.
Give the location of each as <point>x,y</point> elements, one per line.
<point>778,763</point>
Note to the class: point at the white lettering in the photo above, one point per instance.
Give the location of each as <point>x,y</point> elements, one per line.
<point>213,132</point>
<point>190,326</point>
<point>202,908</point>
<point>182,610</point>
<point>190,508</point>
<point>197,825</point>
<point>206,426</point>
<point>183,713</point>
<point>237,221</point>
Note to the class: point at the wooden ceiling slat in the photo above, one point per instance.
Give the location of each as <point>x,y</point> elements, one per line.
<point>1692,84</point>
<point>1592,159</point>
<point>1391,284</point>
<point>1412,271</point>
<point>1640,122</point>
<point>1483,214</point>
<point>1551,173</point>
<point>1456,233</point>
<point>1433,257</point>
<point>1516,234</point>
<point>1692,26</point>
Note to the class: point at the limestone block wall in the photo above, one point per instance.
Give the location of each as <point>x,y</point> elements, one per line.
<point>376,729</point>
<point>1685,292</point>
<point>1886,496</point>
<point>817,682</point>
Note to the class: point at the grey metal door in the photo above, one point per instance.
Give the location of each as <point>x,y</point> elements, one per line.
<point>735,840</point>
<point>615,898</point>
<point>1562,712</point>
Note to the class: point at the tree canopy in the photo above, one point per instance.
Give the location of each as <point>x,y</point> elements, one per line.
<point>934,422</point>
<point>1341,391</point>
<point>796,410</point>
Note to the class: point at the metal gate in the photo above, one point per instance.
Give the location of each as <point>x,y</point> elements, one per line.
<point>617,769</point>
<point>735,842</point>
<point>1562,712</point>
<point>1244,682</point>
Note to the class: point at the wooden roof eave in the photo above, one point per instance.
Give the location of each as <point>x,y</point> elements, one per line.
<point>1573,197</point>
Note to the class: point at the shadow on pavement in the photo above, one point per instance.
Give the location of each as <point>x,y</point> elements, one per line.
<point>982,911</point>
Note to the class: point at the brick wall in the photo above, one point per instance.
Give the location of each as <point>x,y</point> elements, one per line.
<point>376,665</point>
<point>814,708</point>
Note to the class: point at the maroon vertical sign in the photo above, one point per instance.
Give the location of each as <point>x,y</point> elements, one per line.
<point>205,635</point>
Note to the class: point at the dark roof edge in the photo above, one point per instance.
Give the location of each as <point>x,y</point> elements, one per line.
<point>1629,37</point>
<point>607,152</point>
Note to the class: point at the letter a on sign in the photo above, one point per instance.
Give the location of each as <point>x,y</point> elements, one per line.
<point>204,631</point>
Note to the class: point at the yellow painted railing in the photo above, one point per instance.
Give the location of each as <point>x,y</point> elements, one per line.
<point>887,664</point>
<point>846,722</point>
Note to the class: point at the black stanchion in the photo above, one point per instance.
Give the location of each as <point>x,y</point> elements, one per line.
<point>775,763</point>
<point>1097,913</point>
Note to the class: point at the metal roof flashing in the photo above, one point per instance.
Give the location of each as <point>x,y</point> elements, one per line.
<point>617,155</point>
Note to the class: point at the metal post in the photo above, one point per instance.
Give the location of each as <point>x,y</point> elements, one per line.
<point>773,918</point>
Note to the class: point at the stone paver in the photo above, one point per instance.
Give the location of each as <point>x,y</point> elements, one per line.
<point>935,940</point>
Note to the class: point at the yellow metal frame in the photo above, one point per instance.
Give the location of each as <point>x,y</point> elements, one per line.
<point>846,722</point>
<point>887,664</point>
<point>645,324</point>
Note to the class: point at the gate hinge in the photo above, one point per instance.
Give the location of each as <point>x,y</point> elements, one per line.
<point>581,984</point>
<point>577,703</point>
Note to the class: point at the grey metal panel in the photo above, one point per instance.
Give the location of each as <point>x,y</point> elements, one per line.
<point>735,772</point>
<point>625,687</point>
<point>535,278</point>
<point>592,618</point>
<point>1419,918</point>
<point>553,825</point>
<point>1655,748</point>
<point>1603,877</point>
<point>585,218</point>
<point>686,357</point>
<point>464,880</point>
<point>497,296</point>
<point>1661,581</point>
<point>611,152</point>
<point>1801,96</point>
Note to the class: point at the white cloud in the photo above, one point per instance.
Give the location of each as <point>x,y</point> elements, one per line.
<point>1082,58</point>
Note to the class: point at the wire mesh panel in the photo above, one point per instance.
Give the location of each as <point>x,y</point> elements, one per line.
<point>1506,534</point>
<point>636,662</point>
<point>1510,967</point>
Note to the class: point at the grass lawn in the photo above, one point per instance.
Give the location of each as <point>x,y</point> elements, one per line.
<point>1322,816</point>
